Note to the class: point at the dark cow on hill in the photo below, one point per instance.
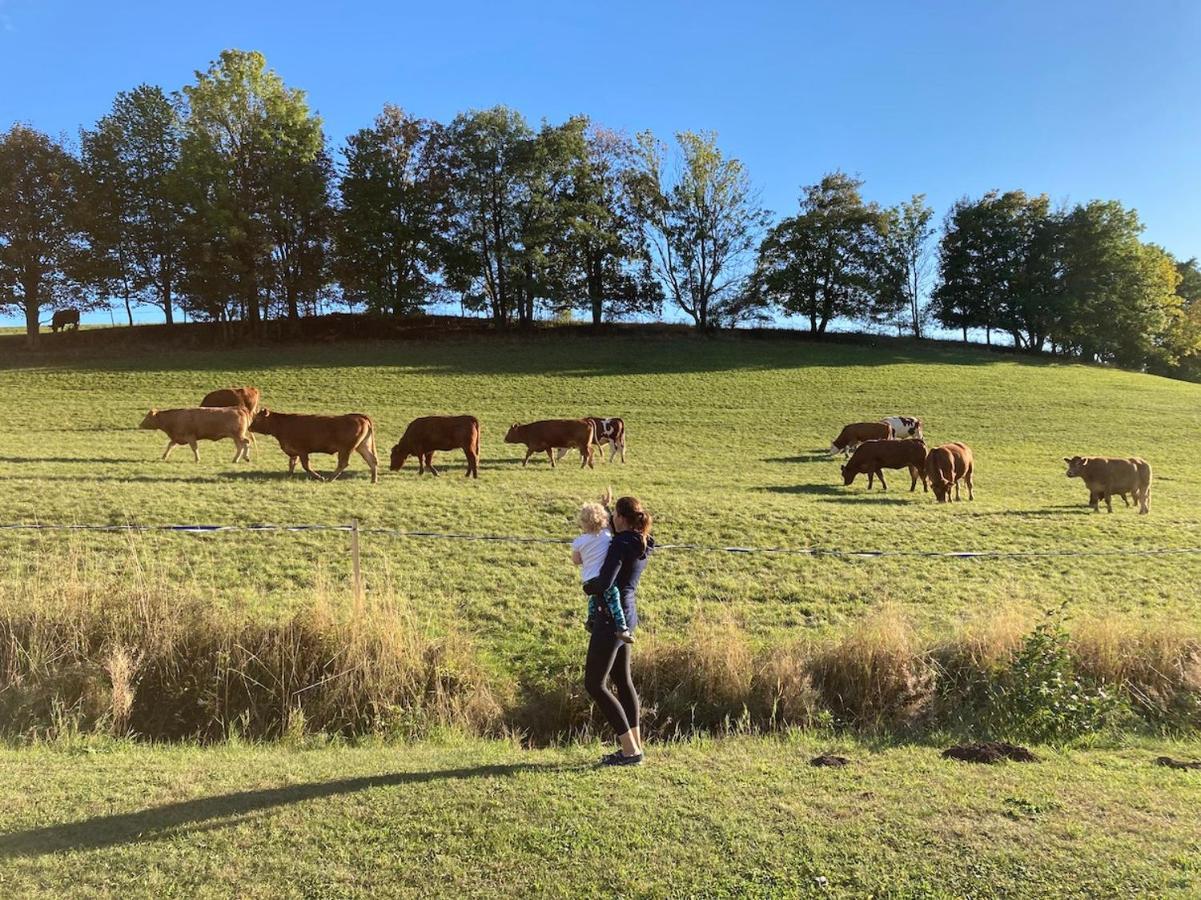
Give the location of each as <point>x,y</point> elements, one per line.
<point>1105,476</point>
<point>550,434</point>
<point>63,318</point>
<point>430,433</point>
<point>853,435</point>
<point>300,436</point>
<point>948,465</point>
<point>611,431</point>
<point>873,457</point>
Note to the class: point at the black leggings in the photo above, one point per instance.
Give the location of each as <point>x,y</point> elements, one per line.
<point>610,655</point>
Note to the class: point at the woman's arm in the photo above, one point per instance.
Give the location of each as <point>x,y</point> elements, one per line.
<point>607,576</point>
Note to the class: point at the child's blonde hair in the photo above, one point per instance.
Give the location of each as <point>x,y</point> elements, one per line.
<point>593,518</point>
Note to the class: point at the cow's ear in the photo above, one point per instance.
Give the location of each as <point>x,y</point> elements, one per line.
<point>1066,460</point>
<point>153,412</point>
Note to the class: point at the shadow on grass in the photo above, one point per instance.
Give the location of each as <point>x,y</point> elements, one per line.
<point>811,456</point>
<point>206,813</point>
<point>92,460</point>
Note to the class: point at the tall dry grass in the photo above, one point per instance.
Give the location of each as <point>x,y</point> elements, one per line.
<point>149,655</point>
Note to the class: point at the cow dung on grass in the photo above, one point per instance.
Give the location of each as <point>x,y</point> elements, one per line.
<point>989,752</point>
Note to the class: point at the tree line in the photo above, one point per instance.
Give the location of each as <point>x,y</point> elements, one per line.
<point>225,201</point>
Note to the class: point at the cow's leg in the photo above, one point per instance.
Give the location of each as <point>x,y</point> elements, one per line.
<point>550,454</point>
<point>473,463</point>
<point>238,449</point>
<point>429,461</point>
<point>561,452</point>
<point>195,451</point>
<point>304,464</point>
<point>871,479</point>
<point>971,488</point>
<point>1109,501</point>
<point>291,464</point>
<point>1094,500</point>
<point>912,479</point>
<point>343,462</point>
<point>368,457</point>
<point>170,447</point>
<point>880,475</point>
<point>1124,500</point>
<point>587,451</point>
<point>528,453</point>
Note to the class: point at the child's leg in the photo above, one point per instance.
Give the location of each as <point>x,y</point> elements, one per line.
<point>613,601</point>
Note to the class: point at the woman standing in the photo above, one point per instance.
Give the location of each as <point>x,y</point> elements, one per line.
<point>608,654</point>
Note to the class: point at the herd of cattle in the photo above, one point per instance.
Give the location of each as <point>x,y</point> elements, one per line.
<point>896,442</point>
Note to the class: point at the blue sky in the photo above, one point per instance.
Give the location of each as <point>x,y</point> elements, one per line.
<point>1079,100</point>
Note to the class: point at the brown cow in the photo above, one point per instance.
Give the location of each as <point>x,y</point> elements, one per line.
<point>430,433</point>
<point>187,426</point>
<point>245,397</point>
<point>549,434</point>
<point>63,318</point>
<point>1105,476</point>
<point>852,436</point>
<point>301,435</point>
<point>946,466</point>
<point>873,457</point>
<point>610,431</point>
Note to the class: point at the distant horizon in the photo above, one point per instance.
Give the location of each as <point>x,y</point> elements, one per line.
<point>1080,101</point>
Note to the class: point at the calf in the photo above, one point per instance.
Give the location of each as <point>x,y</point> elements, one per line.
<point>430,433</point>
<point>873,457</point>
<point>550,434</point>
<point>905,427</point>
<point>187,426</point>
<point>64,317</point>
<point>302,435</point>
<point>1105,476</point>
<point>852,436</point>
<point>948,465</point>
<point>610,431</point>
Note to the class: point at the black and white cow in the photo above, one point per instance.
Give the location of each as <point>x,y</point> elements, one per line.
<point>611,431</point>
<point>905,427</point>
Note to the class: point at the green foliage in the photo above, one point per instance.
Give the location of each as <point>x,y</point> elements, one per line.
<point>702,223</point>
<point>41,232</point>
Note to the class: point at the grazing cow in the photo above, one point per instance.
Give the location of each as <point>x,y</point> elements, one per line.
<point>873,457</point>
<point>610,431</point>
<point>64,317</point>
<point>187,426</point>
<point>430,433</point>
<point>852,436</point>
<point>550,434</point>
<point>948,465</point>
<point>301,435</point>
<point>1105,476</point>
<point>245,397</point>
<point>905,427</point>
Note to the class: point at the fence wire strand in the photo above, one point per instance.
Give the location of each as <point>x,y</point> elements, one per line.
<point>535,539</point>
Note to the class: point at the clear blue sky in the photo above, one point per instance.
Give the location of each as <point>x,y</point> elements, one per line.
<point>1079,100</point>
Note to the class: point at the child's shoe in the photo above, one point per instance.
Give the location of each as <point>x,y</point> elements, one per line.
<point>626,637</point>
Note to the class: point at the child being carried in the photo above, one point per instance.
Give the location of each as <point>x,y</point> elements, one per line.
<point>588,551</point>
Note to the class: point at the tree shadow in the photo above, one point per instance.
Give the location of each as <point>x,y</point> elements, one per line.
<point>72,459</point>
<point>807,457</point>
<point>207,813</point>
<point>826,490</point>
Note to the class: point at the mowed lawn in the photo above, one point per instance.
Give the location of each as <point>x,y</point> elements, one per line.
<point>706,818</point>
<point>727,446</point>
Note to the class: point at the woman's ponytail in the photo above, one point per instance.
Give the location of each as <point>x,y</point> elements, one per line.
<point>630,509</point>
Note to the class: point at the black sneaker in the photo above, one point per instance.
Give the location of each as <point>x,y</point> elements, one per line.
<point>620,759</point>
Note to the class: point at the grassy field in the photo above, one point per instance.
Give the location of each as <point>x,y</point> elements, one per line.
<point>735,817</point>
<point>727,445</point>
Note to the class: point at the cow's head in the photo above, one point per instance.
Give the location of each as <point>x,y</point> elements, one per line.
<point>916,430</point>
<point>848,474</point>
<point>151,420</point>
<point>1075,466</point>
<point>261,423</point>
<point>399,454</point>
<point>941,488</point>
<point>513,434</point>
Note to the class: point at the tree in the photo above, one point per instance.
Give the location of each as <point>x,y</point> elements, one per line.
<point>40,233</point>
<point>702,223</point>
<point>609,264</point>
<point>486,162</point>
<point>249,140</point>
<point>907,249</point>
<point>135,202</point>
<point>394,195</point>
<point>830,261</point>
<point>300,223</point>
<point>1183,337</point>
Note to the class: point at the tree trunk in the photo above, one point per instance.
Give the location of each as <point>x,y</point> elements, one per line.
<point>965,334</point>
<point>32,307</point>
<point>595,297</point>
<point>293,308</point>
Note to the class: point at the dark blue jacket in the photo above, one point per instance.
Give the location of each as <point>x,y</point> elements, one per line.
<point>623,567</point>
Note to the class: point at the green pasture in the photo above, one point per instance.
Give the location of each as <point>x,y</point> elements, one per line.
<point>727,446</point>
<point>733,817</point>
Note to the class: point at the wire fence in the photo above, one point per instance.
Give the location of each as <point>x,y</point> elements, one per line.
<point>830,552</point>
